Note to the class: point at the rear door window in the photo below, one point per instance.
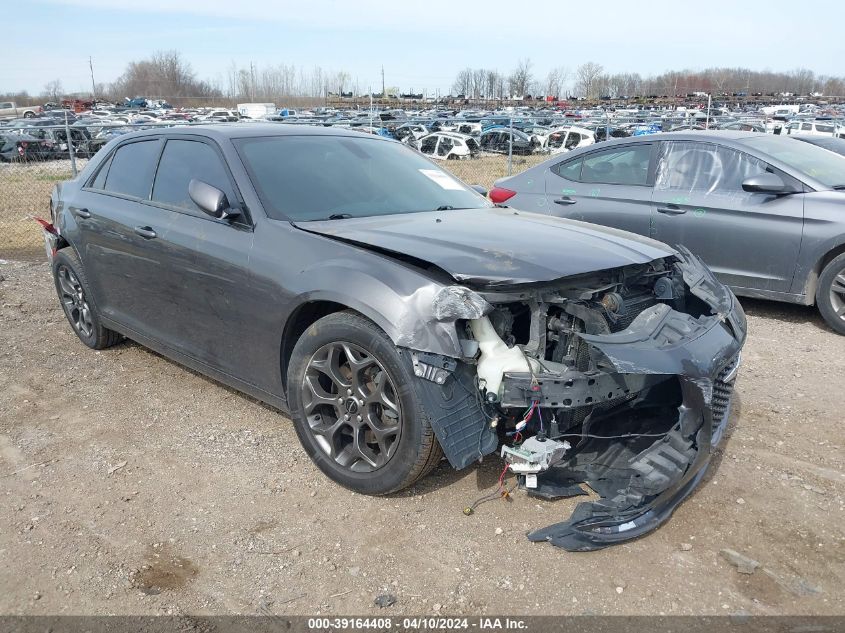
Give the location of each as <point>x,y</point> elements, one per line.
<point>132,169</point>
<point>182,161</point>
<point>618,166</point>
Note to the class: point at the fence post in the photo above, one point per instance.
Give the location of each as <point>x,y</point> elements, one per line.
<point>510,147</point>
<point>70,147</point>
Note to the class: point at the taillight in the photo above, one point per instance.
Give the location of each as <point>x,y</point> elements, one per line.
<point>500,194</point>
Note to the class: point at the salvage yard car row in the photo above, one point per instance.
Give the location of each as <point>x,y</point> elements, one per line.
<point>439,134</point>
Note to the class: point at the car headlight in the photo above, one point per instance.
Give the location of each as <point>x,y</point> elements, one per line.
<point>457,302</point>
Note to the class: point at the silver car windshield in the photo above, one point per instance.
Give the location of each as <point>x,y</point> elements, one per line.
<point>309,177</point>
<point>820,164</point>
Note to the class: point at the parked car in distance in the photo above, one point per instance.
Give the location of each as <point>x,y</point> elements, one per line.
<point>744,126</point>
<point>498,140</point>
<point>9,110</point>
<point>20,147</point>
<point>221,116</point>
<point>393,311</point>
<point>818,127</point>
<point>566,139</point>
<point>448,146</point>
<point>765,212</point>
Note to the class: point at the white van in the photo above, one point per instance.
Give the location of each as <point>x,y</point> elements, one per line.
<point>256,110</point>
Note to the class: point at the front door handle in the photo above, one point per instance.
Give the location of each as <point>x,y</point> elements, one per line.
<point>671,209</point>
<point>81,213</point>
<point>146,232</point>
<point>564,200</point>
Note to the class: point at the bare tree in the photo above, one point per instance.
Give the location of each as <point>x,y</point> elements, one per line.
<point>53,90</point>
<point>520,79</point>
<point>463,82</point>
<point>586,79</point>
<point>478,81</point>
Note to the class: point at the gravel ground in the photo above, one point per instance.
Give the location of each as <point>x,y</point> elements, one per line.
<point>131,485</point>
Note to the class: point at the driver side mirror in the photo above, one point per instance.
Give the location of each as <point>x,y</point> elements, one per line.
<point>211,200</point>
<point>766,183</point>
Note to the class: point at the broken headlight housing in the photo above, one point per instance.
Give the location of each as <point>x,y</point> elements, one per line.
<point>456,302</point>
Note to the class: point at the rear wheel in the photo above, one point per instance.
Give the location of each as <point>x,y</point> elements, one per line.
<point>354,408</point>
<point>830,295</point>
<point>77,302</point>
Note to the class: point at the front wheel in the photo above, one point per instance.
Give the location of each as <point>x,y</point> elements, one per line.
<point>830,295</point>
<point>355,409</point>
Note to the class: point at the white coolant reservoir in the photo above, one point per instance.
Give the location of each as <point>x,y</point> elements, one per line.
<point>496,357</point>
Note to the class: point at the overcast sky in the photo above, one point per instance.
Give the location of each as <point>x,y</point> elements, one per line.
<point>421,44</point>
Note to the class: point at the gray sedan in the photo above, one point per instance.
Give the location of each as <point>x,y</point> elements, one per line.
<point>766,213</point>
<point>400,318</point>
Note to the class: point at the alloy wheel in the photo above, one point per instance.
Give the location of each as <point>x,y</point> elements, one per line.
<point>837,294</point>
<point>351,406</point>
<point>74,301</point>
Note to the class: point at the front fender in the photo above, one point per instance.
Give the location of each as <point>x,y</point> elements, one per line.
<point>397,299</point>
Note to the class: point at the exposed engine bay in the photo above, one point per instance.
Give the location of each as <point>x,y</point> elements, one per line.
<point>618,379</point>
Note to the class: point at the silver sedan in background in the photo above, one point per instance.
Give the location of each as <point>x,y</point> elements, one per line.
<point>766,213</point>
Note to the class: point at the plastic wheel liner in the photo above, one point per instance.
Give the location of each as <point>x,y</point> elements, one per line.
<point>648,457</point>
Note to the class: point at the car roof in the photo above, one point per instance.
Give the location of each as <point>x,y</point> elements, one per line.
<point>228,131</point>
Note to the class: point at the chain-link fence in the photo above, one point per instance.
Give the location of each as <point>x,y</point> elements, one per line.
<point>34,157</point>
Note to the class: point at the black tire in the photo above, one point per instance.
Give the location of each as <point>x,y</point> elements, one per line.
<point>410,456</point>
<point>830,294</point>
<point>81,312</point>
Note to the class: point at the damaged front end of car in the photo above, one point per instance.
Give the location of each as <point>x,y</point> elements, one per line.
<point>618,379</point>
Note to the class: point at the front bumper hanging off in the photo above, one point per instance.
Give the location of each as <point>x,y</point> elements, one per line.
<point>642,480</point>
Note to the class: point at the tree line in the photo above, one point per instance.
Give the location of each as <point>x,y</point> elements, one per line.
<point>167,75</point>
<point>590,81</point>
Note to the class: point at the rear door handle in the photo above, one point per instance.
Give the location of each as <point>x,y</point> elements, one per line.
<point>671,209</point>
<point>81,213</point>
<point>146,232</point>
<point>564,200</point>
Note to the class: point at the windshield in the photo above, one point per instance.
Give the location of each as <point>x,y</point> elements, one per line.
<point>302,178</point>
<point>820,164</point>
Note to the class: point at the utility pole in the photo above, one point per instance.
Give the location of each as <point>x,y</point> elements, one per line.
<point>93,85</point>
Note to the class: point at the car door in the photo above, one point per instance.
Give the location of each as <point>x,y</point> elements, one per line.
<point>610,186</point>
<point>113,223</point>
<point>750,240</point>
<point>204,296</point>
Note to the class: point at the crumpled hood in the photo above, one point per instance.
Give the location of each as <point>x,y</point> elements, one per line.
<point>496,246</point>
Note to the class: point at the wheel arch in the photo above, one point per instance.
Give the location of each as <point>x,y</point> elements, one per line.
<point>811,285</point>
<point>302,317</point>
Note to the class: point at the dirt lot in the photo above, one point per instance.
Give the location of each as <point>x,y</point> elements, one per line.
<point>131,485</point>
